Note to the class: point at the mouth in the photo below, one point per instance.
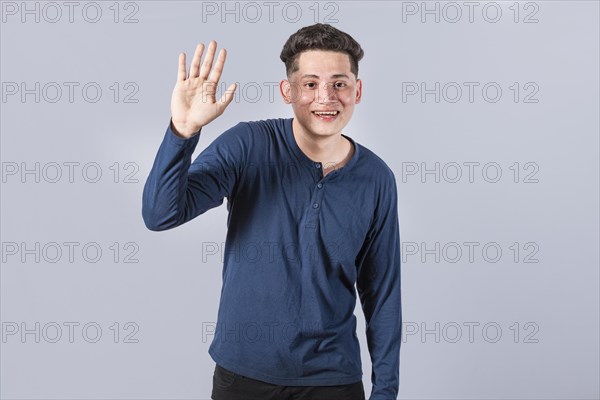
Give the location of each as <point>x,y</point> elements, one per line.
<point>326,115</point>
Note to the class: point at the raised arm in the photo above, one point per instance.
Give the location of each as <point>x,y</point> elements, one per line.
<point>177,190</point>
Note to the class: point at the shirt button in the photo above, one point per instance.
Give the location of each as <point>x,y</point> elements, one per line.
<point>315,205</point>
<point>319,185</point>
<point>317,165</point>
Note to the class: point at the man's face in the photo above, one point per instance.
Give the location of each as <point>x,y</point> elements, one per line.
<point>323,83</point>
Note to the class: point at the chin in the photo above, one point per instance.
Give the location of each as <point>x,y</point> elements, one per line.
<point>327,128</point>
<point>325,131</point>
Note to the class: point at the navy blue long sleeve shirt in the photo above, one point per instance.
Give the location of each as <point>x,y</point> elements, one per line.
<point>297,245</point>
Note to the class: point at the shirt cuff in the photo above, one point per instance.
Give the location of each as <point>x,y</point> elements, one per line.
<point>180,141</point>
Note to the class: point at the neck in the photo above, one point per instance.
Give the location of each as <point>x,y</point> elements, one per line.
<point>328,150</point>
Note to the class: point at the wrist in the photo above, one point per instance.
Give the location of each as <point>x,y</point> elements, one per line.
<point>184,131</point>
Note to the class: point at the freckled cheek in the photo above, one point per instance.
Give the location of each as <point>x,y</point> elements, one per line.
<point>346,98</point>
<point>307,97</point>
<point>302,103</point>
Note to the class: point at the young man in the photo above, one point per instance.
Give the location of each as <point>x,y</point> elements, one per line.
<point>312,213</point>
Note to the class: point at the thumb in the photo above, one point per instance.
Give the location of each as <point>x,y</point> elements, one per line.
<point>227,97</point>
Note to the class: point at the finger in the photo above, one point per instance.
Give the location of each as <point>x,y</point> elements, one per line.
<point>181,69</point>
<point>208,60</point>
<point>215,73</point>
<point>196,60</point>
<point>228,95</point>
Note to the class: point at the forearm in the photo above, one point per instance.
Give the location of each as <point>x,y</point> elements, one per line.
<point>164,198</point>
<point>384,333</point>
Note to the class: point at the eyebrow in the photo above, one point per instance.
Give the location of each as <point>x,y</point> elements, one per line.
<point>332,76</point>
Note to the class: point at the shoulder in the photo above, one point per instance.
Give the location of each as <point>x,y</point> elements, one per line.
<point>248,133</point>
<point>377,169</point>
<point>256,130</point>
<point>248,140</point>
<point>380,178</point>
<point>383,184</point>
<point>265,126</point>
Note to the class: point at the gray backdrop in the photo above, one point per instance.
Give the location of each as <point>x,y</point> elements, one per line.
<point>487,112</point>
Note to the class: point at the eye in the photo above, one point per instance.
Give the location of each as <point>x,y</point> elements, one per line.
<point>340,84</point>
<point>310,84</point>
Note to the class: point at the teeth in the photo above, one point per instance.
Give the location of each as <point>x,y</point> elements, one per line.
<point>326,112</point>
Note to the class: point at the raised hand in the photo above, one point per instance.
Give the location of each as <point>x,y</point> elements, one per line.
<point>193,103</point>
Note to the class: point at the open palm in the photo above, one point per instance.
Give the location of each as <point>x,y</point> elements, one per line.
<point>194,103</point>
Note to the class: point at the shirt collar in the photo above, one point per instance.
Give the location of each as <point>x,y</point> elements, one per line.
<point>289,136</point>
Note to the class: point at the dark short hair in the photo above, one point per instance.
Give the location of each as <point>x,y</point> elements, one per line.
<point>320,37</point>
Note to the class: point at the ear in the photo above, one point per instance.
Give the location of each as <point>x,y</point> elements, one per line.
<point>285,88</point>
<point>358,90</point>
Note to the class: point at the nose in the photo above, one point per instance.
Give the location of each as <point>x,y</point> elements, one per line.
<point>326,93</point>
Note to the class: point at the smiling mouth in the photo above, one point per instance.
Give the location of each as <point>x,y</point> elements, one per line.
<point>326,115</point>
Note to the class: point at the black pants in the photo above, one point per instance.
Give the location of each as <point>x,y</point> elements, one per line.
<point>227,385</point>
